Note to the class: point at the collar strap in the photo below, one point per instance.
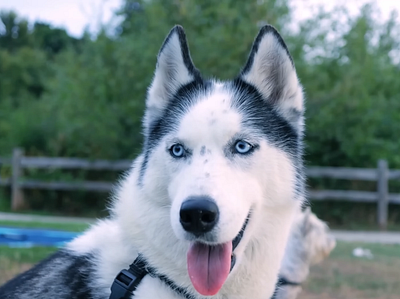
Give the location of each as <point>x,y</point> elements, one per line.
<point>282,281</point>
<point>126,282</point>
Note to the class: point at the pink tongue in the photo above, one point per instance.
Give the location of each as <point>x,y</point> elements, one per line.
<point>209,266</point>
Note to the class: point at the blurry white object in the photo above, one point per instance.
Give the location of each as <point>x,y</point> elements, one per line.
<point>362,252</point>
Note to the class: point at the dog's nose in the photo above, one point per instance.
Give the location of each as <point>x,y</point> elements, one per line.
<point>198,215</point>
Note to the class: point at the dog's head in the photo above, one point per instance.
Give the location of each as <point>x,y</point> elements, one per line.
<point>224,158</point>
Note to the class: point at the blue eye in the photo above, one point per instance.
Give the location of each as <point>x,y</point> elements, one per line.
<point>177,150</point>
<point>243,147</point>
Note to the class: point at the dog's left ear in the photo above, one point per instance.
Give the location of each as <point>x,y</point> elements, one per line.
<point>270,69</point>
<point>174,69</point>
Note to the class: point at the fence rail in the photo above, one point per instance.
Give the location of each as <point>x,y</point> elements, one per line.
<point>381,175</point>
<point>74,163</point>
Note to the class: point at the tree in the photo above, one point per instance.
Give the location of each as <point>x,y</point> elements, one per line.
<point>15,31</point>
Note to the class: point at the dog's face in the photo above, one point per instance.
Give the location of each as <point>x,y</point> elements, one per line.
<point>220,154</point>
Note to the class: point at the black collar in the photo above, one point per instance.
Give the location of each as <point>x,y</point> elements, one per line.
<point>127,280</point>
<point>282,281</point>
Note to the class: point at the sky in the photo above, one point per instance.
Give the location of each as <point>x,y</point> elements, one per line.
<point>76,15</point>
<point>73,15</point>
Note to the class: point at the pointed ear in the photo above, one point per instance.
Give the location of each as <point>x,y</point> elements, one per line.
<point>174,69</point>
<point>270,69</point>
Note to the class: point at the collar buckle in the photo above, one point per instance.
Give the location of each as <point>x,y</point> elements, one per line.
<point>126,282</point>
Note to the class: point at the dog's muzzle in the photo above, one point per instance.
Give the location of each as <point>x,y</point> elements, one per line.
<point>209,265</point>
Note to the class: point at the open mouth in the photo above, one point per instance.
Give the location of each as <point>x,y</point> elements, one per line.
<point>236,242</point>
<point>210,265</point>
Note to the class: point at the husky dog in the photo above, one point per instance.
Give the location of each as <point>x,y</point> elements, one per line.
<point>206,209</point>
<point>309,243</point>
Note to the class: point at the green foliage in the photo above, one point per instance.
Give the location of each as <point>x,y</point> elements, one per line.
<point>352,89</point>
<point>16,32</point>
<point>26,65</point>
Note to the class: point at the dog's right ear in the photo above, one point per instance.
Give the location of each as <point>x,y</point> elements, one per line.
<point>270,69</point>
<point>174,69</point>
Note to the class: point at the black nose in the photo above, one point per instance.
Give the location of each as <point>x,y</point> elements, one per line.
<point>198,215</point>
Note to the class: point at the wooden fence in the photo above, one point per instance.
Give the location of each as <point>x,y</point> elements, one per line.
<point>381,175</point>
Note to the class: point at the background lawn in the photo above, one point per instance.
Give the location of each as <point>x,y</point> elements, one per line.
<point>343,276</point>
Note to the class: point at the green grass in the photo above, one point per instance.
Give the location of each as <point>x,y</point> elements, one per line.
<point>380,252</point>
<point>17,260</point>
<point>25,255</point>
<point>345,276</point>
<point>74,226</point>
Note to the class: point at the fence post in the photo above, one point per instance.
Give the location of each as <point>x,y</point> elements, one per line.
<point>383,186</point>
<point>17,195</point>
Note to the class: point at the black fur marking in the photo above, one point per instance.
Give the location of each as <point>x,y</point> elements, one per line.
<point>260,113</point>
<point>185,98</point>
<point>62,275</point>
<point>187,60</point>
<point>181,102</point>
<point>143,167</point>
<point>267,29</point>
